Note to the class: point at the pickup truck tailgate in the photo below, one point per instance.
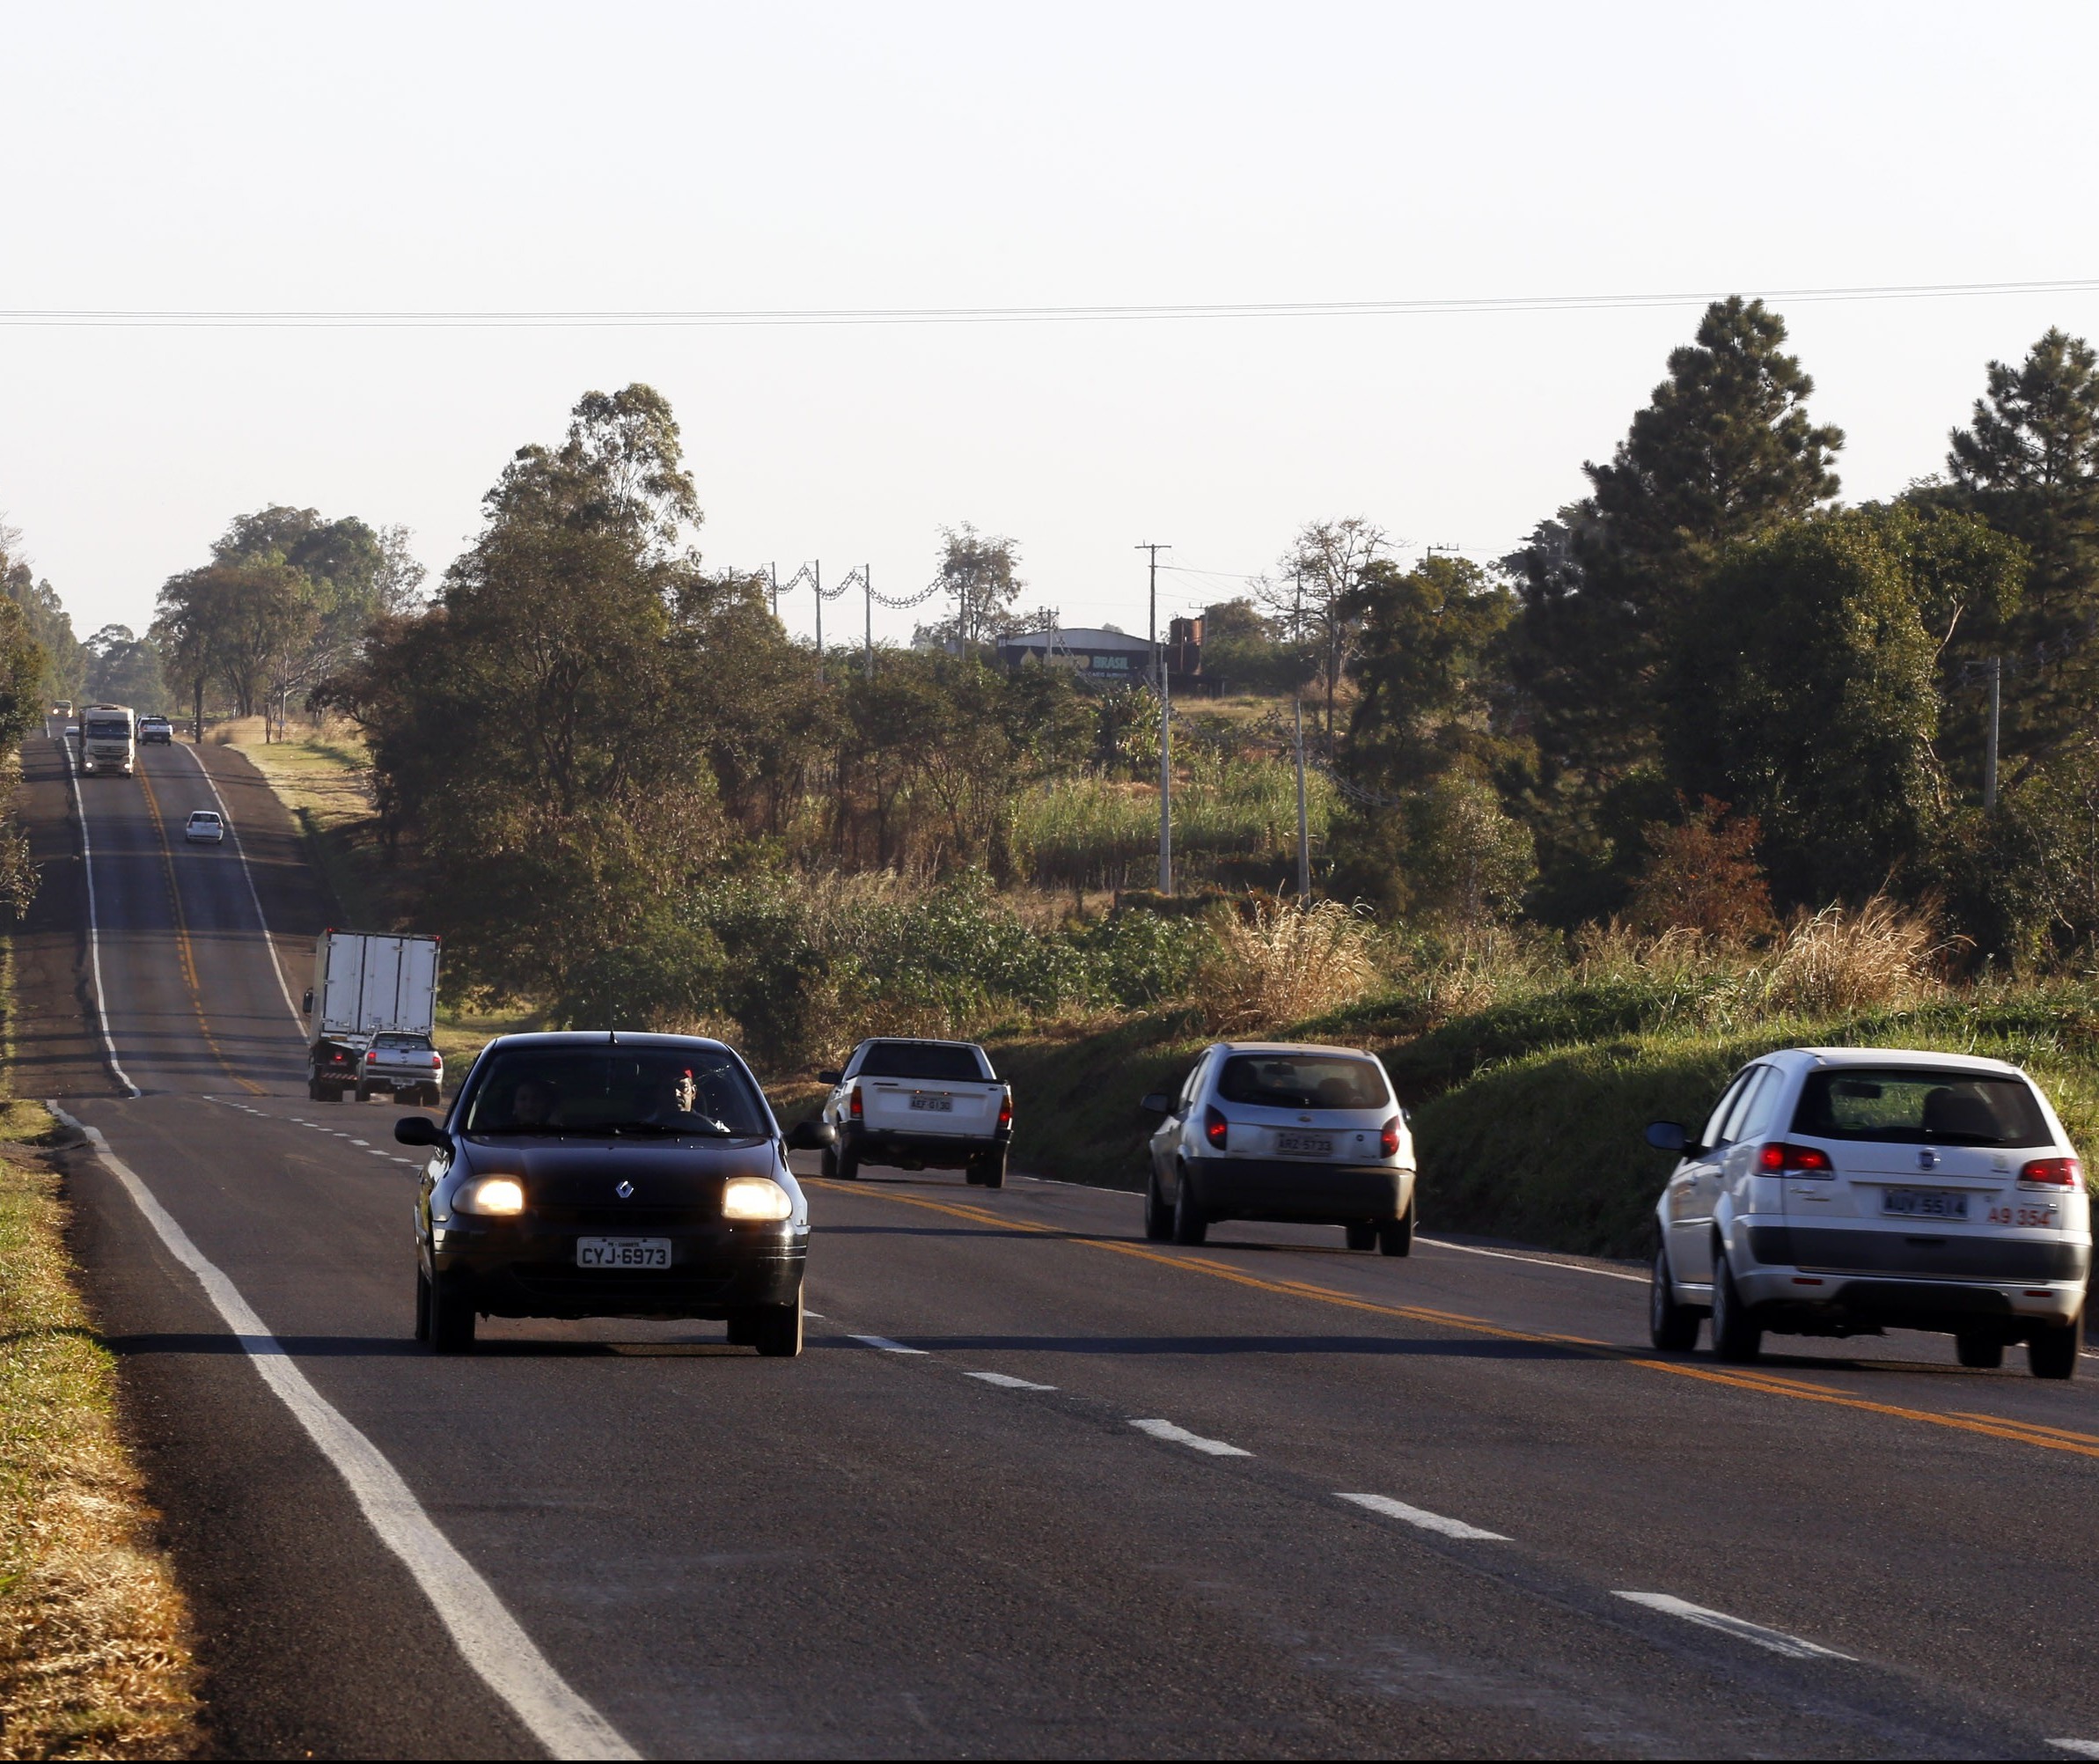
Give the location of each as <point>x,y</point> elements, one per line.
<point>930,1106</point>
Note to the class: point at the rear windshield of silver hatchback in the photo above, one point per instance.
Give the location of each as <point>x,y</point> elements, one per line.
<point>1302,1081</point>
<point>1909,1106</point>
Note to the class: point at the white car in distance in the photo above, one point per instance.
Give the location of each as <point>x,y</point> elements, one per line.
<point>1847,1191</point>
<point>203,828</point>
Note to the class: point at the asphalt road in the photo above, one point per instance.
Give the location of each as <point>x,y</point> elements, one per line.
<point>1037,1487</point>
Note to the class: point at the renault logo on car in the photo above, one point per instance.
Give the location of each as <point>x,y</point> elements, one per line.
<point>624,1191</point>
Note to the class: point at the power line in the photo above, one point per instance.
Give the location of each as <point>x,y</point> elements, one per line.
<point>286,318</point>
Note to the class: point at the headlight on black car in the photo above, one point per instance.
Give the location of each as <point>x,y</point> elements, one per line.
<point>500,1197</point>
<point>755,1197</point>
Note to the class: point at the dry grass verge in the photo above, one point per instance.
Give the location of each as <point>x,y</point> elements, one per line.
<point>93,1659</point>
<point>1279,963</point>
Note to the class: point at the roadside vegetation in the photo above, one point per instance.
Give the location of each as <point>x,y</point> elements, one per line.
<point>94,1660</point>
<point>1701,766</point>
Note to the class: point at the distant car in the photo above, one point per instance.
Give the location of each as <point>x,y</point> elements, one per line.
<point>63,707</point>
<point>1281,1131</point>
<point>595,1175</point>
<point>204,828</point>
<point>403,1065</point>
<point>156,729</point>
<point>919,1104</point>
<point>1845,1191</point>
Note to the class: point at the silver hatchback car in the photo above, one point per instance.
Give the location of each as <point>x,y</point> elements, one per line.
<point>1286,1132</point>
<point>1845,1191</point>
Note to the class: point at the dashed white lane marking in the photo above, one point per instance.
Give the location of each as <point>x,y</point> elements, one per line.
<point>373,1151</point>
<point>1537,1260</point>
<point>360,1142</point>
<point>1009,1384</point>
<point>885,1344</point>
<point>2082,1748</point>
<point>1427,1521</point>
<point>1180,1436</point>
<point>489,1639</point>
<point>1776,1640</point>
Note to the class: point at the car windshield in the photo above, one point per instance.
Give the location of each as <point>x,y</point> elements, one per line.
<point>107,730</point>
<point>921,1060</point>
<point>204,818</point>
<point>392,1038</point>
<point>609,1089</point>
<point>1303,1081</point>
<point>1912,1107</point>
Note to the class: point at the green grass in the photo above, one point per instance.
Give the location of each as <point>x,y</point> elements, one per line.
<point>324,781</point>
<point>1529,1115</point>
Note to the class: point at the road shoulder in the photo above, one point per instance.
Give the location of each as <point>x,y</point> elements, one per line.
<point>95,1647</point>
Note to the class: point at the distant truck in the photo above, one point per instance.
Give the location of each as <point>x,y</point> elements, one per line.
<point>370,1014</point>
<point>108,738</point>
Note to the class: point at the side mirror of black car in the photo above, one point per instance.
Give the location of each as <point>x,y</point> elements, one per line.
<point>1157,1103</point>
<point>810,1136</point>
<point>307,1006</point>
<point>831,1078</point>
<point>1668,1136</point>
<point>418,1129</point>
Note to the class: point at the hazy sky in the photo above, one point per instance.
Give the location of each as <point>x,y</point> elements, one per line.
<point>610,156</point>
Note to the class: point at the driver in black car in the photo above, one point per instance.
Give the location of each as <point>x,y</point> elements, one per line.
<point>677,1103</point>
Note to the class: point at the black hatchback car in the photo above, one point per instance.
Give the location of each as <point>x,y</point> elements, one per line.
<point>610,1175</point>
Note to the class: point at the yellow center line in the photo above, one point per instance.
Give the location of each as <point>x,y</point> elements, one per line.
<point>189,965</point>
<point>1764,1384</point>
<point>2032,1426</point>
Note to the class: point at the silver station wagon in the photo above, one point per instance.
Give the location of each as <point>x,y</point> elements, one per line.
<point>1847,1191</point>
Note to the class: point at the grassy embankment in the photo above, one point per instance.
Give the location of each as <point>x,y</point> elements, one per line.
<point>94,1660</point>
<point>1528,1114</point>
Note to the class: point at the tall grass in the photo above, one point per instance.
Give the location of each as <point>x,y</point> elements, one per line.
<point>1094,831</point>
<point>1276,964</point>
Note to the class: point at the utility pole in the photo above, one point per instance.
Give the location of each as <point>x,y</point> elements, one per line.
<point>1165,730</point>
<point>819,572</point>
<point>1990,754</point>
<point>866,584</point>
<point>773,576</point>
<point>1304,843</point>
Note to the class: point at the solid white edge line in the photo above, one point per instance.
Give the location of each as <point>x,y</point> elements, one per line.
<point>1180,1436</point>
<point>1537,1260</point>
<point>247,875</point>
<point>489,1638</point>
<point>1007,1382</point>
<point>94,931</point>
<point>1776,1640</point>
<point>1427,1521</point>
<point>884,1344</point>
<point>2082,1748</point>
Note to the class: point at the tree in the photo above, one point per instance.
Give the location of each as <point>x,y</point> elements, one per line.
<point>1803,691</point>
<point>1324,566</point>
<point>1724,452</point>
<point>2028,464</point>
<point>124,668</point>
<point>1431,698</point>
<point>50,627</point>
<point>543,732</point>
<point>980,574</point>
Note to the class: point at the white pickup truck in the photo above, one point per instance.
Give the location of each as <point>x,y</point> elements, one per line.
<point>918,1106</point>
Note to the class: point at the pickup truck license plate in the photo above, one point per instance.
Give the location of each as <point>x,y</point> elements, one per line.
<point>623,1252</point>
<point>935,1105</point>
<point>1924,1203</point>
<point>1305,1145</point>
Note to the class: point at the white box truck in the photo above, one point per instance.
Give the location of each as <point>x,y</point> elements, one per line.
<point>370,1014</point>
<point>108,739</point>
